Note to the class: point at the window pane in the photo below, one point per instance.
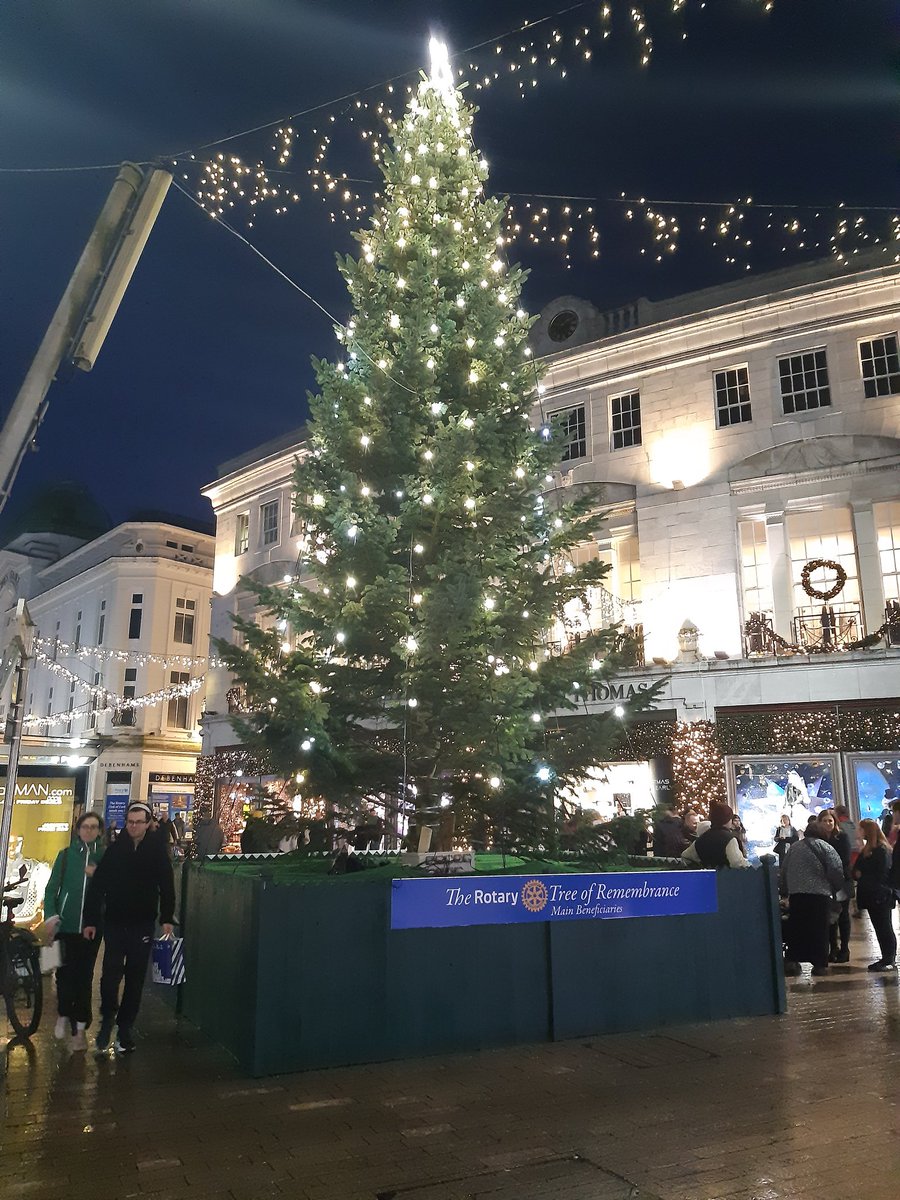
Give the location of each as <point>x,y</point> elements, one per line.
<point>804,381</point>
<point>625,420</point>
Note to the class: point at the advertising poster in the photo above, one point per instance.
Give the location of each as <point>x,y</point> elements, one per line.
<point>117,799</point>
<point>876,782</point>
<point>41,827</point>
<point>764,788</point>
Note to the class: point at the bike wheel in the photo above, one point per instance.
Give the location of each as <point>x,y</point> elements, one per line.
<point>23,988</point>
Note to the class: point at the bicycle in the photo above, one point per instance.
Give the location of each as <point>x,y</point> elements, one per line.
<point>20,971</point>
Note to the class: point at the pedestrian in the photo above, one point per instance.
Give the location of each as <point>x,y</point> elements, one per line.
<point>63,908</point>
<point>812,873</point>
<point>668,834</point>
<point>691,823</point>
<point>874,892</point>
<point>785,836</point>
<point>839,930</point>
<point>179,826</point>
<point>132,883</point>
<point>719,845</point>
<point>209,837</point>
<point>169,832</point>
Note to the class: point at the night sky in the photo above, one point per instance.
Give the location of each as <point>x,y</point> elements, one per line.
<point>209,354</point>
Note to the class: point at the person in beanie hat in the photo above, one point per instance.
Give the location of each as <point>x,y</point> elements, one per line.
<point>131,885</point>
<point>719,846</point>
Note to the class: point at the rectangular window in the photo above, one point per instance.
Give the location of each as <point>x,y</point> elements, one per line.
<point>887,528</point>
<point>825,534</point>
<point>804,381</point>
<point>177,715</point>
<point>732,387</point>
<point>570,428</point>
<point>70,708</point>
<point>78,630</point>
<point>242,533</point>
<point>187,549</point>
<point>101,623</point>
<point>880,362</point>
<point>134,623</point>
<point>172,545</point>
<point>137,598</point>
<point>96,702</point>
<point>268,523</point>
<point>756,575</point>
<point>49,710</point>
<point>128,691</point>
<point>625,420</point>
<point>628,570</point>
<point>184,622</point>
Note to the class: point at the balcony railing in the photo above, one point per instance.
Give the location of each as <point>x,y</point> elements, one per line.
<point>825,629</point>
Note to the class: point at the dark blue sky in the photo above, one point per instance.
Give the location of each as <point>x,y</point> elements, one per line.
<point>209,354</point>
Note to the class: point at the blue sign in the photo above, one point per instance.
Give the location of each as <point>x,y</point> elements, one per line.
<point>517,899</point>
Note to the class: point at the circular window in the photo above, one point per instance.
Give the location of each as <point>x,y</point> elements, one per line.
<point>563,326</point>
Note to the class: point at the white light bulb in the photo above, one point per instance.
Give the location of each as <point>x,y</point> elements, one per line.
<point>401,282</point>
<point>432,182</point>
<point>418,548</point>
<point>465,264</point>
<point>315,686</point>
<point>411,644</point>
<point>470,342</point>
<point>351,582</point>
<point>417,598</point>
<point>430,364</point>
<point>433,328</point>
<point>412,702</point>
<point>460,302</point>
<point>543,774</point>
<point>394,321</point>
<point>470,503</point>
<point>352,531</point>
<point>427,498</point>
<point>364,440</point>
<point>473,377</point>
<point>536,717</point>
<point>595,664</point>
<point>494,781</point>
<point>470,466</point>
<point>415,180</point>
<point>489,603</point>
<point>428,456</point>
<point>499,340</point>
<point>525,613</point>
<point>520,474</point>
<point>306,744</point>
<point>436,408</point>
<point>367,400</point>
<point>532,666</point>
<point>340,637</point>
<point>468,422</point>
<point>318,500</point>
<point>496,265</point>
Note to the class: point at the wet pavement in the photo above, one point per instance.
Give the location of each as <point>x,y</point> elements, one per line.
<point>803,1106</point>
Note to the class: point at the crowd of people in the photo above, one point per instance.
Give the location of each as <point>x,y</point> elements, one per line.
<point>822,870</point>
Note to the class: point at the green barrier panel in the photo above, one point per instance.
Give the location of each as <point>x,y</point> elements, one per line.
<point>294,976</point>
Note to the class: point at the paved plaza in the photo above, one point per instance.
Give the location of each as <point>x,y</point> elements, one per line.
<point>803,1107</point>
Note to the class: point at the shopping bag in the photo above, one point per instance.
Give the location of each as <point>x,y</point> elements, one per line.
<point>168,960</point>
<point>51,958</point>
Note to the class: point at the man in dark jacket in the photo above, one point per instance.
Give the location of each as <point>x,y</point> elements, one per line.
<point>131,884</point>
<point>668,835</point>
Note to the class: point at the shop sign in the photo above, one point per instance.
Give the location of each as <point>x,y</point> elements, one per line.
<point>167,777</point>
<point>41,827</point>
<point>512,899</point>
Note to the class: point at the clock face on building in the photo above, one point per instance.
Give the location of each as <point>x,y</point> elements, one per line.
<point>563,326</point>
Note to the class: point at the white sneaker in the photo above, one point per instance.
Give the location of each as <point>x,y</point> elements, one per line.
<point>62,1028</point>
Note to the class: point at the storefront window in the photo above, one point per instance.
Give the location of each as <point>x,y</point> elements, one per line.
<point>628,570</point>
<point>828,534</point>
<point>762,789</point>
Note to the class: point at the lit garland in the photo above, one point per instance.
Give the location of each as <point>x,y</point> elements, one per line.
<point>538,50</point>
<point>51,646</point>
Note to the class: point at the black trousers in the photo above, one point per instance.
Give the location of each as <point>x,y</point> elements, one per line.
<point>808,928</point>
<point>841,929</point>
<point>882,918</point>
<point>126,953</point>
<point>75,978</point>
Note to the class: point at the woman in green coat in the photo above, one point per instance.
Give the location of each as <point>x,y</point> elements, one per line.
<point>63,905</point>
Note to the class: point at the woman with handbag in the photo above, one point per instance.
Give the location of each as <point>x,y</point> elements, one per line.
<point>812,873</point>
<point>874,892</point>
<point>63,908</point>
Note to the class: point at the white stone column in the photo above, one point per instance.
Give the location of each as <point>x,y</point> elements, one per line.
<point>871,588</point>
<point>780,568</point>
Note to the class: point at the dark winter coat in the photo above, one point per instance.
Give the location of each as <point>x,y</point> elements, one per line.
<point>209,837</point>
<point>669,840</point>
<point>873,887</point>
<point>132,883</point>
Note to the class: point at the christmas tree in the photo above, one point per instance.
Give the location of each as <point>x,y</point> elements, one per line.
<point>437,631</point>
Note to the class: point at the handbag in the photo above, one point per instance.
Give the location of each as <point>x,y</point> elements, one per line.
<point>168,961</point>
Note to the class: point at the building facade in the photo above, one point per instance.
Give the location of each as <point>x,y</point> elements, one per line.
<point>743,445</point>
<point>117,682</point>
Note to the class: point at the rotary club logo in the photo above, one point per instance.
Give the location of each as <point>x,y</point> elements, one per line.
<point>534,896</point>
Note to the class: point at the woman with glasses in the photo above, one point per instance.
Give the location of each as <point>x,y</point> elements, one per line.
<point>63,908</point>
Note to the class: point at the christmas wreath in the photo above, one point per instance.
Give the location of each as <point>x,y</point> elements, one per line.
<point>816,564</point>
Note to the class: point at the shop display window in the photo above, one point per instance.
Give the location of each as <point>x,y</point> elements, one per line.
<point>761,788</point>
<point>873,781</point>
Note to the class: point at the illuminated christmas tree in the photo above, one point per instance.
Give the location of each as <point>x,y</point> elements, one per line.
<point>437,627</point>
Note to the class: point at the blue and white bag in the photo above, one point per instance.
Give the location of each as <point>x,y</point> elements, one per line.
<point>168,960</point>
